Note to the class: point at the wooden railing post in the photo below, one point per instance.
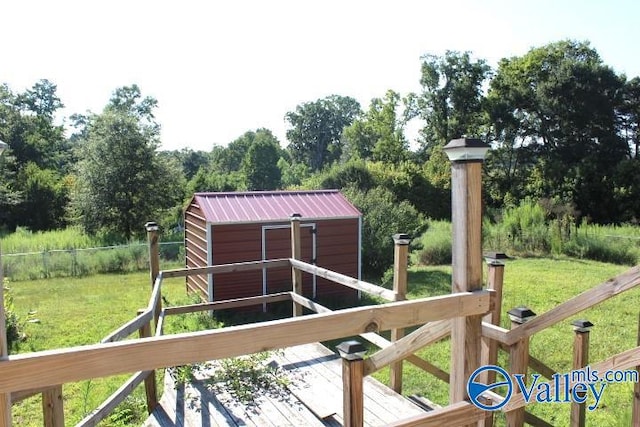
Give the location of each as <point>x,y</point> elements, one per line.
<point>635,415</point>
<point>400,265</point>
<point>296,253</point>
<point>5,398</point>
<point>154,260</point>
<point>489,353</point>
<point>580,360</point>
<point>53,407</point>
<point>352,353</point>
<point>150,386</point>
<point>518,359</point>
<point>467,156</point>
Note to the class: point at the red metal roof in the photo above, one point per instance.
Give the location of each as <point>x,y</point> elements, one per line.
<point>262,206</point>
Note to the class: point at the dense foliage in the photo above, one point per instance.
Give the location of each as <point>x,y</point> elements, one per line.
<point>563,126</point>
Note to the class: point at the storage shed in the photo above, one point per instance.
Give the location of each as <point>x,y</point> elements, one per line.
<point>223,228</point>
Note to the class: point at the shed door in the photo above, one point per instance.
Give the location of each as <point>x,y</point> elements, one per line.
<point>276,243</point>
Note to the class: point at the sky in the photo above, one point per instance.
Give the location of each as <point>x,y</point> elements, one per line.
<point>221,68</point>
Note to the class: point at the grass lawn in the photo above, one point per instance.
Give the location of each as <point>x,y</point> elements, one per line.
<point>82,311</point>
<point>78,311</point>
<point>541,284</point>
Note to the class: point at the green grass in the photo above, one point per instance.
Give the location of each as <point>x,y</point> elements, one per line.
<point>541,284</point>
<point>79,311</point>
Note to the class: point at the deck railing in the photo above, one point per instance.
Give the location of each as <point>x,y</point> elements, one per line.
<point>44,372</point>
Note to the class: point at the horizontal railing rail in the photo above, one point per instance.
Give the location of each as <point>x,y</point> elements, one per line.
<point>47,368</point>
<point>344,280</point>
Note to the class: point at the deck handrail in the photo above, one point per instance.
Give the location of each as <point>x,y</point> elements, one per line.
<point>45,368</point>
<point>343,279</point>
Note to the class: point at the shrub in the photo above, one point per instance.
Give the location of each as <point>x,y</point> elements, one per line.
<point>383,216</point>
<point>341,175</point>
<point>601,249</point>
<point>523,229</point>
<point>12,321</point>
<point>436,245</point>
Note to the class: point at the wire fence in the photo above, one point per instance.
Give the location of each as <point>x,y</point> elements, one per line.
<point>85,261</point>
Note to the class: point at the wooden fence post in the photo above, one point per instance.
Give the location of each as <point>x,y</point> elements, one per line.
<point>580,360</point>
<point>296,253</point>
<point>52,407</point>
<point>5,398</point>
<point>518,359</point>
<point>466,156</point>
<point>400,265</point>
<point>150,387</point>
<point>352,353</point>
<point>489,353</point>
<point>154,261</point>
<point>635,416</point>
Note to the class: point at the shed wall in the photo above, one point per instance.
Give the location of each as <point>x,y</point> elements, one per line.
<point>195,246</point>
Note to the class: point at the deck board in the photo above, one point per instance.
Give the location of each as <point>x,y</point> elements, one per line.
<point>315,375</point>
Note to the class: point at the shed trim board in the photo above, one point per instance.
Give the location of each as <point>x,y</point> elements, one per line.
<point>210,260</point>
<point>359,253</point>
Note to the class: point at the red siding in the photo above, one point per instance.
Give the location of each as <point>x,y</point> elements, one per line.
<point>195,246</point>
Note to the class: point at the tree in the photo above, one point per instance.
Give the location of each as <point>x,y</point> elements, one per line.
<point>260,165</point>
<point>556,112</point>
<point>451,100</point>
<point>630,116</point>
<point>45,198</point>
<point>229,159</point>
<point>190,160</point>
<point>38,160</point>
<point>122,182</point>
<point>41,99</point>
<point>378,135</point>
<point>316,129</point>
<point>383,216</point>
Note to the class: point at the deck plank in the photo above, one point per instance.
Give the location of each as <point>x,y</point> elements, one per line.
<point>315,375</point>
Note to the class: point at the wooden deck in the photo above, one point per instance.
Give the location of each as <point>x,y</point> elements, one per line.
<point>313,398</point>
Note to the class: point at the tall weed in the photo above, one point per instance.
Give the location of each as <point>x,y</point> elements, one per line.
<point>71,253</point>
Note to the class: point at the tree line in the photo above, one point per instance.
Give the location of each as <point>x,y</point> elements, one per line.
<point>562,124</point>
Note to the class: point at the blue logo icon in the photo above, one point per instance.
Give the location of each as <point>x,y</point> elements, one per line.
<point>476,389</point>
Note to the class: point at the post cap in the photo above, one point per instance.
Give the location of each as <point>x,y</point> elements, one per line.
<point>295,216</point>
<point>582,325</point>
<point>401,239</point>
<point>493,257</point>
<point>351,350</point>
<point>466,150</point>
<point>521,314</point>
<point>151,226</point>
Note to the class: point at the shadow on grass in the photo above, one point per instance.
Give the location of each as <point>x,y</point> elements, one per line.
<point>428,283</point>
